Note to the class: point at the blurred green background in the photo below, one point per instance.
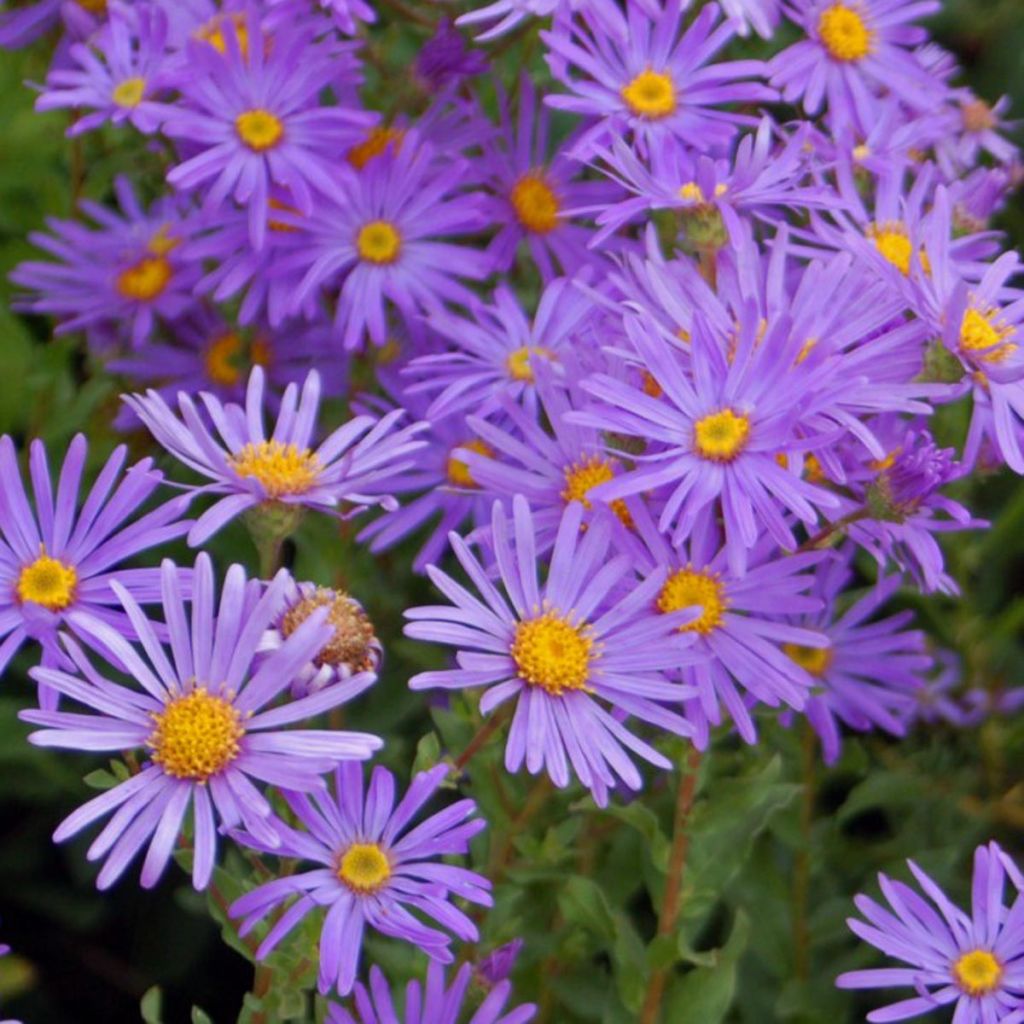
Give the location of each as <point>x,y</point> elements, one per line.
<point>572,884</point>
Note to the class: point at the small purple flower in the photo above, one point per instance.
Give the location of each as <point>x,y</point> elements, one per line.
<point>255,119</point>
<point>375,870</point>
<point>975,961</point>
<point>436,1003</point>
<point>249,469</point>
<point>119,72</point>
<point>445,59</point>
<point>380,236</point>
<point>854,52</point>
<point>201,716</point>
<point>585,636</point>
<point>58,560</point>
<point>138,266</point>
<point>498,964</point>
<point>644,75</point>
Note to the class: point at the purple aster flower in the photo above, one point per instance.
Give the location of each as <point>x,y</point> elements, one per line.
<point>353,648</point>
<point>495,353</point>
<point>938,700</point>
<point>973,961</point>
<point>436,1003</point>
<point>119,72</point>
<point>256,118</point>
<point>532,191</point>
<point>641,73</point>
<point>869,675</point>
<point>60,560</point>
<point>249,470</point>
<point>559,650</point>
<point>498,964</point>
<point>445,59</point>
<point>974,128</point>
<point>741,642</point>
<point>855,51</point>
<point>137,266</point>
<point>374,871</point>
<point>761,180</point>
<point>379,236</point>
<point>201,716</point>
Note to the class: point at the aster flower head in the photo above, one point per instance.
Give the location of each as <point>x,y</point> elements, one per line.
<point>255,118</point>
<point>117,74</point>
<point>854,51</point>
<point>871,673</point>
<point>642,74</point>
<point>248,469</point>
<point>494,354</point>
<point>533,190</point>
<point>562,650</point>
<point>445,59</point>
<point>380,237</point>
<point>200,711</point>
<point>130,270</point>
<point>436,1003</point>
<point>353,648</point>
<point>375,871</point>
<point>61,558</point>
<point>974,128</point>
<point>973,962</point>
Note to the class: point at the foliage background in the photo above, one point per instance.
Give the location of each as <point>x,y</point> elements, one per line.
<point>582,886</point>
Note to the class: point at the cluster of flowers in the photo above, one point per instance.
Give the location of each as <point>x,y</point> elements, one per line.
<point>656,477</point>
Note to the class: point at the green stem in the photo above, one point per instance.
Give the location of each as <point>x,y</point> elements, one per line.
<point>826,533</point>
<point>671,902</point>
<point>802,867</point>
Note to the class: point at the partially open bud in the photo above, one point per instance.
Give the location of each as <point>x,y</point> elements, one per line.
<point>917,471</point>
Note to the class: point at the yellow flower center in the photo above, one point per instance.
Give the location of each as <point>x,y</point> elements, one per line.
<point>650,385</point>
<point>375,143</point>
<point>458,472</point>
<point>893,242</point>
<point>813,470</point>
<point>550,652</point>
<point>519,364</point>
<point>688,588</point>
<point>379,242</point>
<point>977,116</point>
<point>280,468</point>
<point>259,129</point>
<point>982,334</point>
<point>814,660</point>
<point>145,280</point>
<point>129,93</point>
<point>535,204</point>
<point>652,94</point>
<point>844,34</point>
<point>364,868</point>
<point>978,972</point>
<point>196,736</point>
<point>213,32</point>
<point>721,436</point>
<point>583,476</point>
<point>353,632</point>
<point>47,582</point>
<point>222,359</point>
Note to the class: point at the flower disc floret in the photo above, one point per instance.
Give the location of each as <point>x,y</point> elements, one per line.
<point>352,641</point>
<point>280,468</point>
<point>519,364</point>
<point>146,280</point>
<point>552,653</point>
<point>844,33</point>
<point>458,472</point>
<point>978,972</point>
<point>196,736</point>
<point>535,204</point>
<point>364,868</point>
<point>689,588</point>
<point>379,242</point>
<point>983,336</point>
<point>48,582</point>
<point>590,472</point>
<point>721,436</point>
<point>651,94</point>
<point>259,129</point>
<point>130,92</point>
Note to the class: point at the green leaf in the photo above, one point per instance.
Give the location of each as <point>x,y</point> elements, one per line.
<point>200,1016</point>
<point>428,753</point>
<point>152,1005</point>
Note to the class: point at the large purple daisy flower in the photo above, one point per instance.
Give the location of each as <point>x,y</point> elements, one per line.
<point>375,871</point>
<point>56,560</point>
<point>642,73</point>
<point>975,961</point>
<point>584,636</point>
<point>250,469</point>
<point>435,1003</point>
<point>201,717</point>
<point>257,119</point>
